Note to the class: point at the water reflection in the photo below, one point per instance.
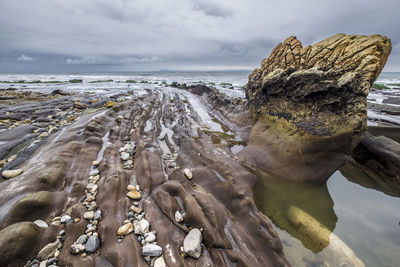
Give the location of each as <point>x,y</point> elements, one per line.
<point>304,210</point>
<point>341,223</point>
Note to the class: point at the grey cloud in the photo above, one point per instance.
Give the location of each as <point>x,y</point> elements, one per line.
<point>24,57</point>
<point>135,35</point>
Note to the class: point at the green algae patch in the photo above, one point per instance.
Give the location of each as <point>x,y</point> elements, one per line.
<point>379,86</point>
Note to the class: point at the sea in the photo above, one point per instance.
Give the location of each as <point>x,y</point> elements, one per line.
<point>229,82</point>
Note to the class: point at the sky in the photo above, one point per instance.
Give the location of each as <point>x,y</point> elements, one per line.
<point>188,35</point>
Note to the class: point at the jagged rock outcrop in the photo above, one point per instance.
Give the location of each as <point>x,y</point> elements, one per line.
<point>309,103</point>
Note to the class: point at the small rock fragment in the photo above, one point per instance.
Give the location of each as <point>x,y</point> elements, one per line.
<point>48,250</point>
<point>88,215</point>
<point>94,172</point>
<point>92,244</point>
<point>178,216</point>
<point>109,104</point>
<point>66,219</point>
<point>125,229</point>
<point>97,215</point>
<point>192,243</point>
<point>134,195</point>
<point>77,248</point>
<point>96,163</point>
<point>152,250</point>
<point>144,226</point>
<point>150,237</point>
<point>124,156</point>
<point>159,262</point>
<point>41,224</point>
<point>12,173</point>
<point>188,173</point>
<point>135,209</point>
<point>82,239</point>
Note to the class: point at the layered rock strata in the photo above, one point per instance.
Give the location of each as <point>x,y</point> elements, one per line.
<point>309,103</point>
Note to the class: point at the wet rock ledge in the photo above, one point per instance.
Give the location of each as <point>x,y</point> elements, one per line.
<point>309,103</point>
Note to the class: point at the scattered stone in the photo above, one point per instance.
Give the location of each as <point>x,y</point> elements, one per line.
<point>48,250</point>
<point>178,216</point>
<point>61,233</point>
<point>135,195</point>
<point>41,223</point>
<point>152,250</point>
<point>96,163</point>
<point>76,220</point>
<point>136,226</point>
<point>188,173</point>
<point>109,104</point>
<point>51,261</point>
<point>97,215</point>
<point>88,215</point>
<point>144,226</point>
<point>131,188</point>
<point>66,219</point>
<point>79,105</point>
<point>12,173</point>
<point>92,244</point>
<point>192,243</point>
<point>77,248</point>
<point>82,239</point>
<point>94,172</point>
<point>136,209</point>
<point>119,118</point>
<point>124,156</point>
<point>150,237</point>
<point>125,229</point>
<point>43,264</point>
<point>159,262</point>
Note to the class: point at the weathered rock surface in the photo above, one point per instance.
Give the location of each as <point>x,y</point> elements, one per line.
<point>48,251</point>
<point>17,240</point>
<point>309,103</point>
<point>380,154</point>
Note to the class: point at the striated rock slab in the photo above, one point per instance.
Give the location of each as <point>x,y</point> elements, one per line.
<point>309,103</point>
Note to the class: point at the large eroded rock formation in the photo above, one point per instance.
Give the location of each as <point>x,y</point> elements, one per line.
<point>309,103</point>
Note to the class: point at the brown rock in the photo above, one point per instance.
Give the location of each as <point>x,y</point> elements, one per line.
<point>309,103</point>
<point>135,195</point>
<point>125,229</point>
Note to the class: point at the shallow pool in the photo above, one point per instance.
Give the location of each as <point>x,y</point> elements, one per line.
<point>341,223</point>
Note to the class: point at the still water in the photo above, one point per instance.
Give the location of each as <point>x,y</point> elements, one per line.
<point>352,220</point>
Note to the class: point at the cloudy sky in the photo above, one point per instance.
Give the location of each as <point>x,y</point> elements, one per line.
<point>137,35</point>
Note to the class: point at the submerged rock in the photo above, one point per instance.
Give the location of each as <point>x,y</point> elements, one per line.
<point>192,243</point>
<point>309,103</point>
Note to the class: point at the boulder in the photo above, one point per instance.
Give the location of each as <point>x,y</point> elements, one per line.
<point>309,104</point>
<point>17,242</point>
